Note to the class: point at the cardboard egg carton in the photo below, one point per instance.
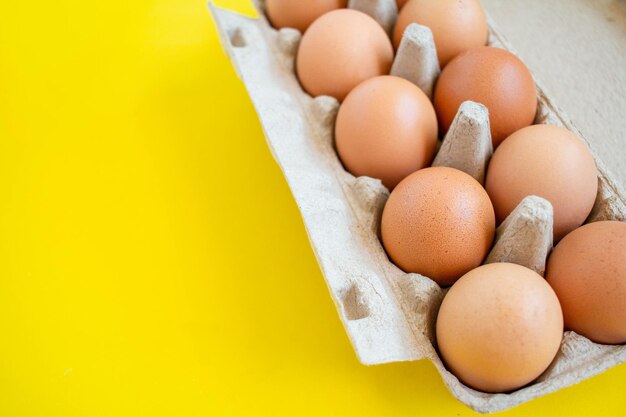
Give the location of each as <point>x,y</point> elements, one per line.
<point>389,315</point>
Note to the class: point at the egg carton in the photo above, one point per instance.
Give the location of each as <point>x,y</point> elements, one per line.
<point>389,315</point>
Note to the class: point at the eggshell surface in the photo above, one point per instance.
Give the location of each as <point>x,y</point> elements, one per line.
<point>299,14</point>
<point>340,50</point>
<point>400,3</point>
<point>587,270</point>
<point>438,222</point>
<point>493,77</point>
<point>457,25</point>
<point>499,327</point>
<point>386,128</point>
<point>547,161</point>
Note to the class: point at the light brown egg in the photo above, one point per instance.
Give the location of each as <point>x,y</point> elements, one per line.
<point>493,77</point>
<point>386,128</point>
<point>457,25</point>
<point>547,161</point>
<point>438,222</point>
<point>499,327</point>
<point>299,14</point>
<point>340,50</point>
<point>587,270</point>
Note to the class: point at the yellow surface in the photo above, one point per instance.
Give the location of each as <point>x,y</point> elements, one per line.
<point>152,259</point>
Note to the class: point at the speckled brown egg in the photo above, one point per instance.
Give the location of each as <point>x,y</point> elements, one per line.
<point>493,77</point>
<point>438,222</point>
<point>547,161</point>
<point>299,14</point>
<point>457,25</point>
<point>340,50</point>
<point>386,128</point>
<point>499,327</point>
<point>587,270</point>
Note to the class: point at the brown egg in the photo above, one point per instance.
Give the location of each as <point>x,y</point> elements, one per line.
<point>438,222</point>
<point>299,14</point>
<point>547,161</point>
<point>457,25</point>
<point>386,128</point>
<point>499,327</point>
<point>340,50</point>
<point>493,77</point>
<point>587,270</point>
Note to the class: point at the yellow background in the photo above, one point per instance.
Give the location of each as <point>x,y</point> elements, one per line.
<point>152,259</point>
